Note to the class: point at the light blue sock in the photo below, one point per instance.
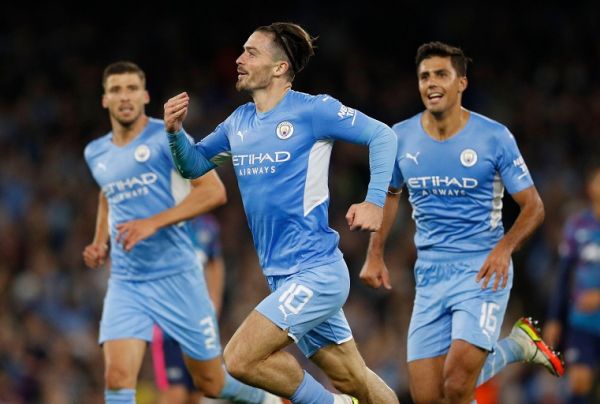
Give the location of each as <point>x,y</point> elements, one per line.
<point>239,392</point>
<point>121,396</point>
<point>311,391</point>
<point>505,351</point>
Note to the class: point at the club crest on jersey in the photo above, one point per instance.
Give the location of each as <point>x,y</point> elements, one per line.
<point>142,153</point>
<point>468,157</point>
<point>284,130</point>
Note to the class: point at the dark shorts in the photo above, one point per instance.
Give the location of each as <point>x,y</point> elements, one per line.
<point>583,347</point>
<point>169,367</point>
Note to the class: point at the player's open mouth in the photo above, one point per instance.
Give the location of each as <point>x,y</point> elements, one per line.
<point>435,96</point>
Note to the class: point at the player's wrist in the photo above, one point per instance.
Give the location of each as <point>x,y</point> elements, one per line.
<point>174,134</point>
<point>376,199</point>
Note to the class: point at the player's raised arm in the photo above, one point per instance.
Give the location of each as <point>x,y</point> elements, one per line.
<point>175,112</point>
<point>193,161</point>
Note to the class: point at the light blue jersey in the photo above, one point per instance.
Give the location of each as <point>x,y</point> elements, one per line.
<point>456,186</point>
<point>281,160</point>
<point>140,180</point>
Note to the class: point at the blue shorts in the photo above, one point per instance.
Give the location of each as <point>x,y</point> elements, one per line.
<point>308,304</point>
<point>178,304</point>
<point>582,348</point>
<point>169,367</point>
<point>450,304</point>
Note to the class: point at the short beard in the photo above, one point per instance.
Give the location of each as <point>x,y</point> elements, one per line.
<point>128,123</point>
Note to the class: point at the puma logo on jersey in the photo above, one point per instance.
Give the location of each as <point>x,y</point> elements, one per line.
<point>101,166</point>
<point>240,134</point>
<point>413,157</point>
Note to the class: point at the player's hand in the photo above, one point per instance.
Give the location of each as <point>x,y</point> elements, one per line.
<point>551,333</point>
<point>497,263</point>
<point>175,112</point>
<point>589,300</point>
<point>94,255</point>
<point>375,274</point>
<point>364,216</point>
<point>129,233</point>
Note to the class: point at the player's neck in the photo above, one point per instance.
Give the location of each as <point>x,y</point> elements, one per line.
<point>266,99</point>
<point>445,125</point>
<point>123,135</point>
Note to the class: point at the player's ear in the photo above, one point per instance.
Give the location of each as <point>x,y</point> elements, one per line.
<point>104,101</point>
<point>463,83</point>
<point>146,97</point>
<point>281,68</point>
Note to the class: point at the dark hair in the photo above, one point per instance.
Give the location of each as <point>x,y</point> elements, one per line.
<point>456,55</point>
<point>296,44</point>
<point>122,67</point>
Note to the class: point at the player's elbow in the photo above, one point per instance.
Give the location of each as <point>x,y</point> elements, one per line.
<point>186,173</point>
<point>542,212</point>
<point>218,194</point>
<point>532,207</point>
<point>221,196</point>
<point>539,210</point>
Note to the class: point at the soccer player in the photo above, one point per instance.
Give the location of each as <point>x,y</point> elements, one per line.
<point>456,164</point>
<point>143,205</point>
<point>280,146</point>
<point>574,311</point>
<point>172,377</point>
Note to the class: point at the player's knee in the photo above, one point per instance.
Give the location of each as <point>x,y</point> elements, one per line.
<point>119,377</point>
<point>208,384</point>
<point>455,388</point>
<point>235,364</point>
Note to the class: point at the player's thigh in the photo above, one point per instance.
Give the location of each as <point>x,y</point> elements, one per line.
<point>463,363</point>
<point>425,378</point>
<point>181,306</point>
<point>301,302</point>
<point>256,338</point>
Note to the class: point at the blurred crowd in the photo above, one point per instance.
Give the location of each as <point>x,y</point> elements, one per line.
<point>533,70</point>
